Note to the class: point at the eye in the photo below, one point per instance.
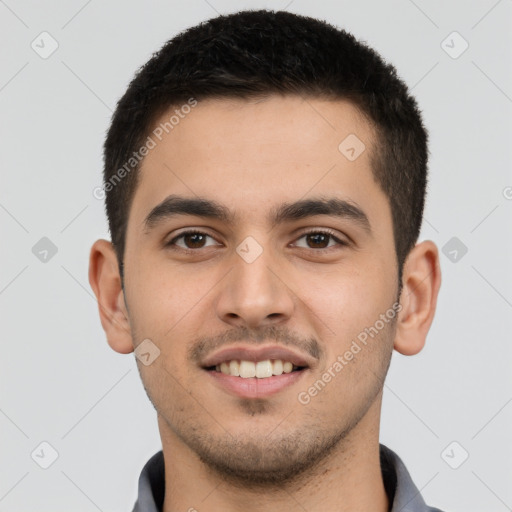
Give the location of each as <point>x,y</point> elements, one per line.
<point>320,240</point>
<point>191,240</point>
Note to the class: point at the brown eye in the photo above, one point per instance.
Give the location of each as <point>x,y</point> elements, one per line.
<point>194,240</point>
<point>190,240</point>
<point>320,240</point>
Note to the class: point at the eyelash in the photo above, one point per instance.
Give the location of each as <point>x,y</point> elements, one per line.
<point>171,243</point>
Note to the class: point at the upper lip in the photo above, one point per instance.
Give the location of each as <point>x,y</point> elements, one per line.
<point>255,354</point>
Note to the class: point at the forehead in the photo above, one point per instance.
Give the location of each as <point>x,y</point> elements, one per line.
<point>254,154</point>
<point>292,121</point>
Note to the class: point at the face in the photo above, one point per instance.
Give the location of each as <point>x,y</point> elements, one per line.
<point>250,280</point>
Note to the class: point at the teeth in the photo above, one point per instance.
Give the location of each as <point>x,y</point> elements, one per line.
<point>260,369</point>
<point>247,369</point>
<point>277,367</point>
<point>263,369</point>
<point>234,368</point>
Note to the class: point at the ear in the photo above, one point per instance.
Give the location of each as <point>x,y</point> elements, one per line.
<point>421,282</point>
<point>105,280</point>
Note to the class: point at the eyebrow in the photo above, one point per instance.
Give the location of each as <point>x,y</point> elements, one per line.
<point>173,206</point>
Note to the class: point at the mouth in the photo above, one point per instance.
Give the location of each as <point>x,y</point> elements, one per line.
<point>256,372</point>
<point>259,369</point>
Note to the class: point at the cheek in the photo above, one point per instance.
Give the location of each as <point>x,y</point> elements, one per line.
<point>170,307</point>
<point>163,295</point>
<point>345,302</point>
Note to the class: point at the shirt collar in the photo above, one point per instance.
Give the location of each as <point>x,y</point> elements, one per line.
<point>401,490</point>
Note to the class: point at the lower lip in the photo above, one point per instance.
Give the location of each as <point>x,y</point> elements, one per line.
<point>254,387</point>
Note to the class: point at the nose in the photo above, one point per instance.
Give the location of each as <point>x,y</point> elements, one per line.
<point>255,293</point>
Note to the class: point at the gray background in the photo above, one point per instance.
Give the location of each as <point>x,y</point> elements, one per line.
<point>61,383</point>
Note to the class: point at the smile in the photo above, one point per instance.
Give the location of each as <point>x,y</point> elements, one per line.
<point>256,371</point>
<point>259,369</point>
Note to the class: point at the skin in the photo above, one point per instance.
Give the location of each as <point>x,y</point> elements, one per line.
<point>224,453</point>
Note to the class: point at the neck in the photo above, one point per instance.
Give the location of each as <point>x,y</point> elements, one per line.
<point>348,479</point>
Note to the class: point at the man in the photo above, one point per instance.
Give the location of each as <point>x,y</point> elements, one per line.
<point>265,179</point>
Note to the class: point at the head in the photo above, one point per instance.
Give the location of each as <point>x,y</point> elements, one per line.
<point>255,54</point>
<point>255,129</point>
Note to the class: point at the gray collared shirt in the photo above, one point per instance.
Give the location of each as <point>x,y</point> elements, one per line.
<point>403,494</point>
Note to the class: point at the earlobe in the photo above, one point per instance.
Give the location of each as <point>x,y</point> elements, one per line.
<point>421,283</point>
<point>105,281</point>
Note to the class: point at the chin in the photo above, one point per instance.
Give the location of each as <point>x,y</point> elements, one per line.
<point>265,461</point>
